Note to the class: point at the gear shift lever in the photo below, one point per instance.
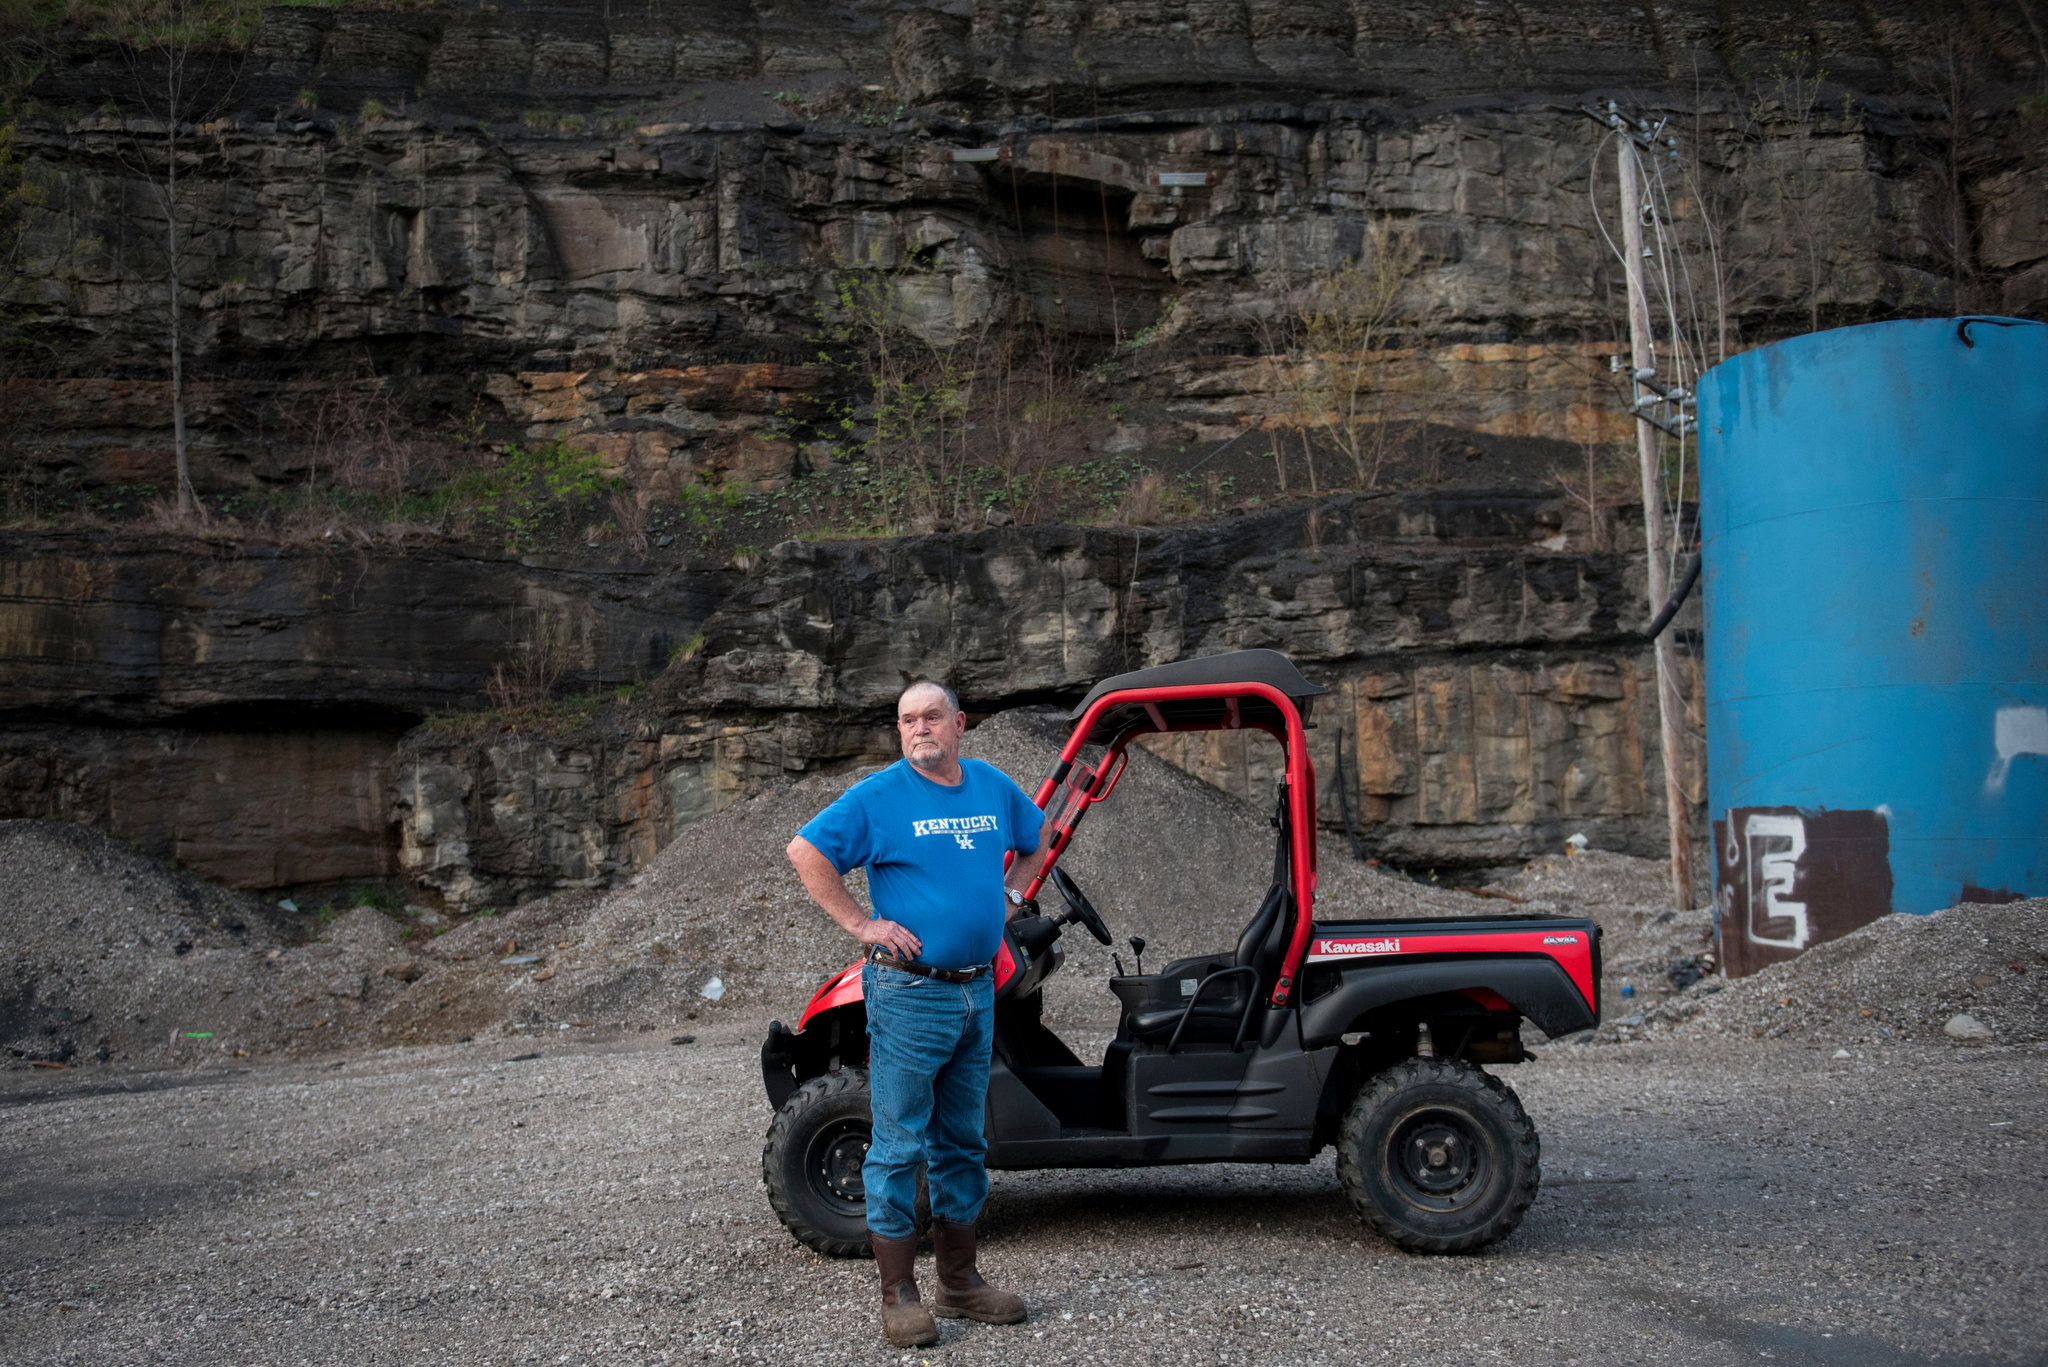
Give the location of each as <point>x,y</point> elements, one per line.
<point>1138,952</point>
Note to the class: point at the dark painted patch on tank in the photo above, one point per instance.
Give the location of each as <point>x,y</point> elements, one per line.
<point>1996,897</point>
<point>1789,878</point>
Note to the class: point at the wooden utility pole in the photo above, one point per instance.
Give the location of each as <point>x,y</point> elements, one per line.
<point>1642,357</point>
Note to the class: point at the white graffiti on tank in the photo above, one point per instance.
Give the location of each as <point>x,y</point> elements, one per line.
<point>1770,877</point>
<point>2016,731</point>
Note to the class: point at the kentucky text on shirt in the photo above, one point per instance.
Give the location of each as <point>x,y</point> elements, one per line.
<point>954,825</point>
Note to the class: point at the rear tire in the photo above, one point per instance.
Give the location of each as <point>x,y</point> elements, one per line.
<point>811,1165</point>
<point>1438,1157</point>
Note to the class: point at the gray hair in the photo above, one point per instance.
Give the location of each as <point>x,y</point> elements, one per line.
<point>952,698</point>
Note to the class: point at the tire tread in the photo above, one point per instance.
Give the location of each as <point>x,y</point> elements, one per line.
<point>782,1131</point>
<point>1488,1092</point>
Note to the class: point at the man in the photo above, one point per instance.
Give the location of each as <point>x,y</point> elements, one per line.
<point>932,830</point>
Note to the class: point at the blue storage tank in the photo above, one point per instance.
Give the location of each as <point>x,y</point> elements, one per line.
<point>1874,507</point>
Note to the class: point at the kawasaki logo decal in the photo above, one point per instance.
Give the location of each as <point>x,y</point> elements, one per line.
<point>1358,947</point>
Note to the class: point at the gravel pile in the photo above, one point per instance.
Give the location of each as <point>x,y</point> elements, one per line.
<point>115,958</point>
<point>115,951</point>
<point>722,901</point>
<point>1899,978</point>
<point>112,957</point>
<point>1167,858</point>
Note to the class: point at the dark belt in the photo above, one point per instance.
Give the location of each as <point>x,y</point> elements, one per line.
<point>944,975</point>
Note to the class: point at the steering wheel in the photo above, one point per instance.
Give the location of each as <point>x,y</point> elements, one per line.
<point>1079,908</point>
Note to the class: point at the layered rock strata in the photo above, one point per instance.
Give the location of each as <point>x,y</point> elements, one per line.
<point>549,219</point>
<point>525,221</point>
<point>1487,692</point>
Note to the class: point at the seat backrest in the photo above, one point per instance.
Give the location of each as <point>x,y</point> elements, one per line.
<point>1258,943</point>
<point>1263,941</point>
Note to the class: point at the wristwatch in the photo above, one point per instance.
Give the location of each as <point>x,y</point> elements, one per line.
<point>1016,897</point>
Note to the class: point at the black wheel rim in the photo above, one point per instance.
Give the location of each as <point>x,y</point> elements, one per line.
<point>1437,1159</point>
<point>832,1163</point>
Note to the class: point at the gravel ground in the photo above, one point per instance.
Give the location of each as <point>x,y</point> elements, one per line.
<point>1707,1201</point>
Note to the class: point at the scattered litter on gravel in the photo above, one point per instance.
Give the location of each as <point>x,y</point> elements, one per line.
<point>1898,978</point>
<point>1713,1202</point>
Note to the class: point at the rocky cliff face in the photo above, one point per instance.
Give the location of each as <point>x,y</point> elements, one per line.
<point>533,221</point>
<point>1487,693</point>
<point>553,219</point>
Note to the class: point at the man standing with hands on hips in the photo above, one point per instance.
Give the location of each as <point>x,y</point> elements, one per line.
<point>932,830</point>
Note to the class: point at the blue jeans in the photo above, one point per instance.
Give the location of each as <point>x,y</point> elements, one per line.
<point>928,1053</point>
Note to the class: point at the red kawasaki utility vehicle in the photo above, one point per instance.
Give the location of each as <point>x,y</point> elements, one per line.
<point>1372,1036</point>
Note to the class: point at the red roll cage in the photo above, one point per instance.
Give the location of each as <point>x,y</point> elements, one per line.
<point>1086,785</point>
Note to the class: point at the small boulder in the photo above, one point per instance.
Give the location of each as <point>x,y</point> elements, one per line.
<point>1966,1027</point>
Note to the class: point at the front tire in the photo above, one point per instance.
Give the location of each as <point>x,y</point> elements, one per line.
<point>1438,1157</point>
<point>811,1165</point>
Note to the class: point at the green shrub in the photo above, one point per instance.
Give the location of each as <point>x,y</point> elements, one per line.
<point>685,650</point>
<point>533,483</point>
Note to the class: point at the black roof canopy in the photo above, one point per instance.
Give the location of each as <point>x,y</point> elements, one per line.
<point>1238,667</point>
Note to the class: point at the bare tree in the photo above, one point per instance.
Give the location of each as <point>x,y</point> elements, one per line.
<point>355,435</point>
<point>1353,314</point>
<point>543,650</point>
<point>1799,164</point>
<point>183,62</point>
<point>1594,489</point>
<point>1953,158</point>
<point>1328,353</point>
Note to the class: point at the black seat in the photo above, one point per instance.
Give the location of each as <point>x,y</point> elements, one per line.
<point>1216,1014</point>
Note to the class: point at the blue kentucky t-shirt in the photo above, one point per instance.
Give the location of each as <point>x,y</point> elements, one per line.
<point>934,853</point>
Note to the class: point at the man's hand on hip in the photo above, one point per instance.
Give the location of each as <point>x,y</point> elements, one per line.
<point>828,890</point>
<point>889,936</point>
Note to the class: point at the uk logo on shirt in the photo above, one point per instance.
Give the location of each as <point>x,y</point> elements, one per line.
<point>963,829</point>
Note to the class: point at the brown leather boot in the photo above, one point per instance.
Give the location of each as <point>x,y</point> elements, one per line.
<point>961,1291</point>
<point>905,1321</point>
